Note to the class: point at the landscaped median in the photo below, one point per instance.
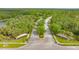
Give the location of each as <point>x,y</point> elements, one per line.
<point>65,42</point>
<point>40,28</point>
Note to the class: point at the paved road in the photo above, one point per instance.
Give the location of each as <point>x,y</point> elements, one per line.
<point>47,43</point>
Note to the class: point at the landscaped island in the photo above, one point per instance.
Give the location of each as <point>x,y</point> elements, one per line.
<point>16,26</point>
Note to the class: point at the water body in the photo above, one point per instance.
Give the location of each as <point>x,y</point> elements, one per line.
<point>1,24</point>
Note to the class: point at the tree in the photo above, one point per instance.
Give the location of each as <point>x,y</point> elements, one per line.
<point>55,28</point>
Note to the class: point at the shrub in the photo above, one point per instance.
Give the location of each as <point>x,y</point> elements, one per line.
<point>40,28</point>
<point>55,28</point>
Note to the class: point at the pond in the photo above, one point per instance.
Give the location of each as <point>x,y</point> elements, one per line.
<point>1,24</point>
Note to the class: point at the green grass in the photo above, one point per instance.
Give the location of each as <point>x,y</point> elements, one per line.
<point>11,45</point>
<point>14,43</point>
<point>65,42</point>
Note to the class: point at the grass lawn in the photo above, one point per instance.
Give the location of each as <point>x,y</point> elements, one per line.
<point>11,45</point>
<point>64,42</point>
<point>14,43</point>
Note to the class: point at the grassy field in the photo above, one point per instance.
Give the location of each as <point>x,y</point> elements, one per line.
<point>14,43</point>
<point>64,42</point>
